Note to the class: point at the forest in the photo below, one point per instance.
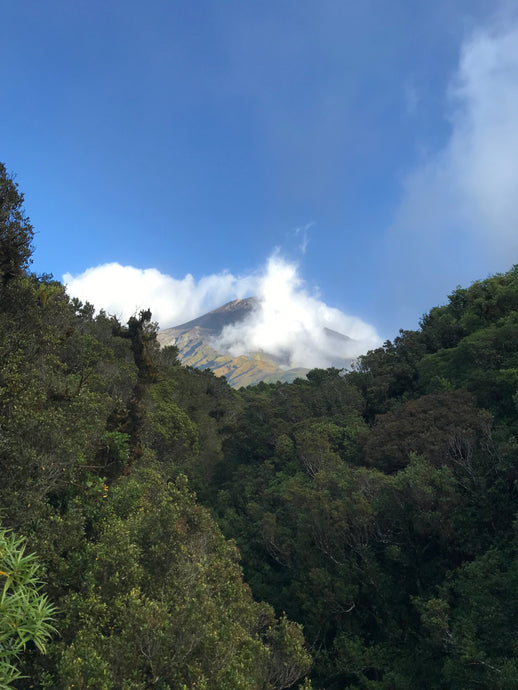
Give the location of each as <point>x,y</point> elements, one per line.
<point>160,529</point>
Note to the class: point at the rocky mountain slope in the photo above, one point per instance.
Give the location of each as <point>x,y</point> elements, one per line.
<point>195,341</point>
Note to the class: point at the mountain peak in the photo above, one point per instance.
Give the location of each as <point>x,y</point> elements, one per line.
<point>195,339</point>
<point>212,323</point>
<point>247,304</point>
<point>200,345</point>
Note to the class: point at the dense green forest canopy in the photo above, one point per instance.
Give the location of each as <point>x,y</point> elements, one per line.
<point>97,430</point>
<point>352,530</point>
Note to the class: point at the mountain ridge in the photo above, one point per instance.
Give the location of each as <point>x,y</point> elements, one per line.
<point>195,342</point>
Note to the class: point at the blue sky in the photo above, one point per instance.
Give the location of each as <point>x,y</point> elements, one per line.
<point>372,145</point>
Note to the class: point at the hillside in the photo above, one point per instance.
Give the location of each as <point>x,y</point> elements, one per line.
<point>113,574</point>
<point>195,341</point>
<point>379,507</point>
<point>348,530</point>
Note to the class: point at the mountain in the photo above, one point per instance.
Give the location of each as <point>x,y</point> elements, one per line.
<point>195,342</point>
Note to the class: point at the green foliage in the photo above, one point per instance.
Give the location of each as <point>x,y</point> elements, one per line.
<point>15,231</point>
<point>377,508</point>
<point>162,602</point>
<point>447,427</point>
<point>478,626</point>
<point>25,612</point>
<point>97,425</point>
<point>361,502</point>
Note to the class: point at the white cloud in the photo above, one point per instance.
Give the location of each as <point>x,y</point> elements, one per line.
<point>469,189</point>
<point>458,216</point>
<point>484,149</point>
<point>124,290</point>
<point>296,326</point>
<point>289,323</point>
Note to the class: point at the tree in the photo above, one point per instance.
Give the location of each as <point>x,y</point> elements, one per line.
<point>160,601</point>
<point>15,230</point>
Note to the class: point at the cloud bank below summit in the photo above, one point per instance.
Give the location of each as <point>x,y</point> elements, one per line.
<point>290,322</point>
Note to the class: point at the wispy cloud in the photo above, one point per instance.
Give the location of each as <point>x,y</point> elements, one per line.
<point>302,233</point>
<point>471,184</point>
<point>290,322</point>
<point>459,210</point>
<point>483,152</point>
